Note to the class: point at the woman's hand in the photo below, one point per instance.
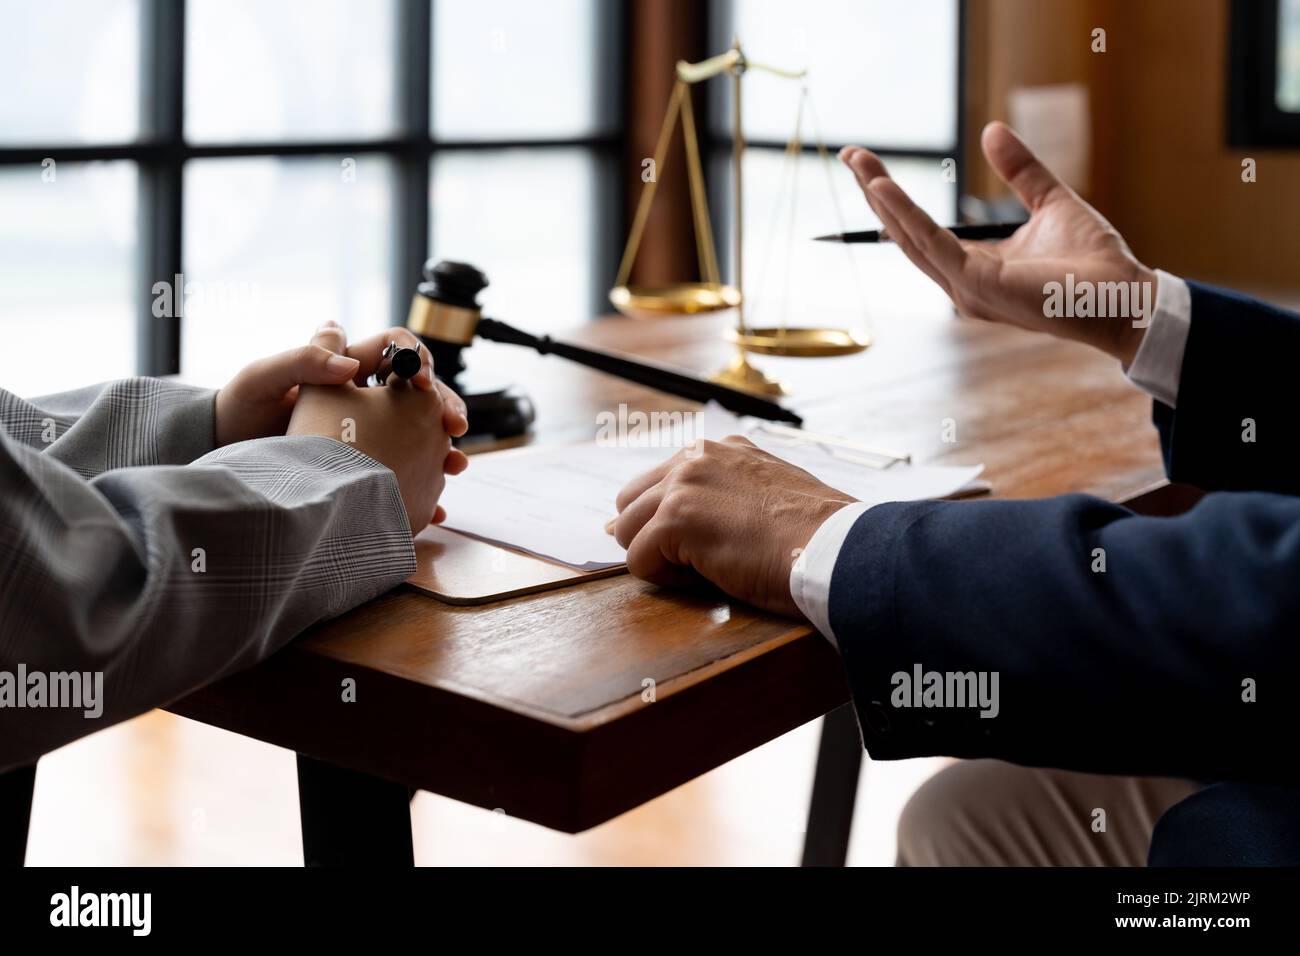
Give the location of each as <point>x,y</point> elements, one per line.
<point>1005,281</point>
<point>408,428</point>
<point>369,353</point>
<point>258,401</point>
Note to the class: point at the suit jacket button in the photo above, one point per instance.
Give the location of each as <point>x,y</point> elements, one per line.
<point>875,717</point>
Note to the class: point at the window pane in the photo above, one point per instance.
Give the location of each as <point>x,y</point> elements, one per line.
<point>1288,56</point>
<point>880,72</point>
<point>69,70</point>
<point>289,69</point>
<point>525,217</point>
<point>519,69</point>
<point>273,248</point>
<point>68,264</point>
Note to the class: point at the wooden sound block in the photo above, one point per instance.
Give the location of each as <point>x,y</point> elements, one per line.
<point>458,569</point>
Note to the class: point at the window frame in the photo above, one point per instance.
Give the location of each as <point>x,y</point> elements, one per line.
<point>1253,115</point>
<point>161,151</point>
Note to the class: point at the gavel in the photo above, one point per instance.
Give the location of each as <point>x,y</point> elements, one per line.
<point>446,315</point>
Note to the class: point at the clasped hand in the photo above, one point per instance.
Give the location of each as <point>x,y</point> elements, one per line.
<point>317,390</point>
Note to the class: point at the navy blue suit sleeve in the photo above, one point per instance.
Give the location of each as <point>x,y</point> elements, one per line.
<point>1239,367</point>
<point>1142,667</point>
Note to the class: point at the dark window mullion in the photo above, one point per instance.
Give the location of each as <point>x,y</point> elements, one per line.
<point>960,93</point>
<point>411,213</point>
<point>610,223</point>
<point>145,152</point>
<point>158,342</point>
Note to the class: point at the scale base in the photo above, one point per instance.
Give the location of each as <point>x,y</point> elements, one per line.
<point>743,376</point>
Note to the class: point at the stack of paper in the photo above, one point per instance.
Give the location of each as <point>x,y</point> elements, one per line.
<point>554,501</point>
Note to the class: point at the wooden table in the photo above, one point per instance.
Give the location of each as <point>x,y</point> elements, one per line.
<point>533,706</point>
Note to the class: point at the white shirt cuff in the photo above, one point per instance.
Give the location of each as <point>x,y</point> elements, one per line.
<point>810,575</point>
<point>1158,364</point>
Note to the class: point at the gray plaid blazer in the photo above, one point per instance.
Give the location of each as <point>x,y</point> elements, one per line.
<point>130,546</point>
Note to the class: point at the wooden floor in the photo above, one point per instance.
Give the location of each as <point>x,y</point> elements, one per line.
<point>165,791</point>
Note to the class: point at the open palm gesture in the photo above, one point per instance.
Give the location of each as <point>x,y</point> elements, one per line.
<point>1006,281</point>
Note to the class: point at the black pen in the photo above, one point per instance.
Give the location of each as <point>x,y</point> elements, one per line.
<point>987,230</point>
<point>398,360</point>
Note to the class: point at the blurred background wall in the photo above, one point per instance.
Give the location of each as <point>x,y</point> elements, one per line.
<point>1162,169</point>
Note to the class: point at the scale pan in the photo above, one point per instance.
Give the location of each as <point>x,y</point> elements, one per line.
<point>678,298</point>
<point>801,342</point>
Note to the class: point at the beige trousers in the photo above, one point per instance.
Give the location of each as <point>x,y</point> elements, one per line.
<point>990,813</point>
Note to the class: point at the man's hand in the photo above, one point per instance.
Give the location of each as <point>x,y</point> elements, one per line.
<point>408,428</point>
<point>1003,281</point>
<point>728,511</point>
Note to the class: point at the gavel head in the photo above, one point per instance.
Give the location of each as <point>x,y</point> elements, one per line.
<point>445,312</point>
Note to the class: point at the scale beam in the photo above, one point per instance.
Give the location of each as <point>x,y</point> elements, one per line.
<point>725,62</point>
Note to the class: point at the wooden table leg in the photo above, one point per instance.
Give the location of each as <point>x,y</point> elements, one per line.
<point>835,790</point>
<point>16,788</point>
<point>351,818</point>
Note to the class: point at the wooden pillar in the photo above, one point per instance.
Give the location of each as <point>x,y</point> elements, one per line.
<point>659,33</point>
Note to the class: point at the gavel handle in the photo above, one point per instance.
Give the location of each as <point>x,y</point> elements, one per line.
<point>643,373</point>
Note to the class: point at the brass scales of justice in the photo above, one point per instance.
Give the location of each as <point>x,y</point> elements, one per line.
<point>711,294</point>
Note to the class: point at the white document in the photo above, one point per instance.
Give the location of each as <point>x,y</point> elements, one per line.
<point>554,501</point>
